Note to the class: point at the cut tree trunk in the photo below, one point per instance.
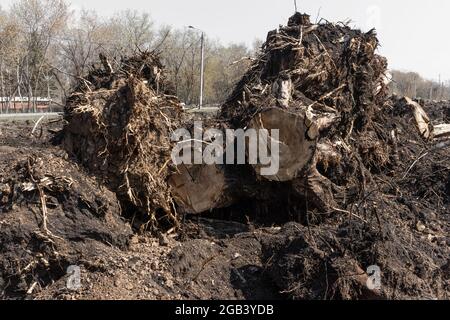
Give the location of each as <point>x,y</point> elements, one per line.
<point>300,153</point>
<point>295,149</point>
<point>299,131</point>
<point>199,188</point>
<point>441,130</point>
<point>421,118</point>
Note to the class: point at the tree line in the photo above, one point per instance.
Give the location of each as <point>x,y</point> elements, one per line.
<point>45,46</point>
<point>411,84</point>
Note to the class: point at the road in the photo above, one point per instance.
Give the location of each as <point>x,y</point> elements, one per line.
<point>28,116</point>
<point>5,117</point>
<point>203,110</point>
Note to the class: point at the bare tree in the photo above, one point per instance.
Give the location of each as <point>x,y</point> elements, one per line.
<point>9,50</point>
<point>81,43</point>
<point>44,48</point>
<point>136,29</point>
<point>413,85</point>
<point>40,22</point>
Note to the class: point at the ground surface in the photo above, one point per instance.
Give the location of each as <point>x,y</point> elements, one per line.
<point>214,260</point>
<point>209,258</point>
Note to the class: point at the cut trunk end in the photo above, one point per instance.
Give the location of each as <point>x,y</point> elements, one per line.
<point>296,149</point>
<point>200,188</point>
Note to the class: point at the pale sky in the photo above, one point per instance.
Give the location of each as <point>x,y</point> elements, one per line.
<point>414,34</point>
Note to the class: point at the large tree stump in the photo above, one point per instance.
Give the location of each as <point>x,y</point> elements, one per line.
<point>200,188</point>
<point>299,131</point>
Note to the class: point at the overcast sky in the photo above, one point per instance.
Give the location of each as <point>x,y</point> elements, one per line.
<point>414,34</point>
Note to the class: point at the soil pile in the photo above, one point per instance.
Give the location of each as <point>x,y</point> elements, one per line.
<point>52,215</point>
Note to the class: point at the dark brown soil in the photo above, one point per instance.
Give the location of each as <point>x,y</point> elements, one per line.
<point>209,260</point>
<point>405,234</point>
<point>439,111</point>
<point>82,217</point>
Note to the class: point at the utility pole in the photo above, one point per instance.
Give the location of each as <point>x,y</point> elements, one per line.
<point>202,65</point>
<point>202,70</point>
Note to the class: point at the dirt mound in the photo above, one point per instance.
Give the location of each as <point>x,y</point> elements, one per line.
<point>119,125</point>
<point>332,261</point>
<point>52,215</point>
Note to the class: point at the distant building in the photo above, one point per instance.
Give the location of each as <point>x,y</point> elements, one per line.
<point>18,104</point>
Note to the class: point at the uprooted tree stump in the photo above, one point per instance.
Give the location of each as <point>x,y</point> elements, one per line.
<point>318,84</point>
<point>119,125</point>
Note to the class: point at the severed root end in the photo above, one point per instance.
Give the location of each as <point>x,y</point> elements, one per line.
<point>318,189</point>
